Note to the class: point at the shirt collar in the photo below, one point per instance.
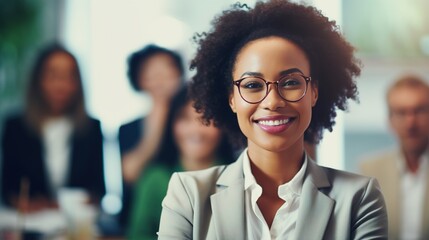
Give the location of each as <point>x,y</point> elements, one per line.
<point>424,161</point>
<point>294,186</point>
<point>249,179</point>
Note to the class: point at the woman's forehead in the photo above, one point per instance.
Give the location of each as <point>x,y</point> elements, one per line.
<point>270,54</point>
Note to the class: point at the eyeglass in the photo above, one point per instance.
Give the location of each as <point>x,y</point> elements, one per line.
<point>291,87</point>
<point>401,114</point>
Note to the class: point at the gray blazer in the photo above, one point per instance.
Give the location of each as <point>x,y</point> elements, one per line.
<point>209,204</point>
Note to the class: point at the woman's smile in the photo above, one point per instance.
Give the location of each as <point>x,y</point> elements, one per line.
<point>274,124</point>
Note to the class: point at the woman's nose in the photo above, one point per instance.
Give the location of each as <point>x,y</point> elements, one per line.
<point>273,100</point>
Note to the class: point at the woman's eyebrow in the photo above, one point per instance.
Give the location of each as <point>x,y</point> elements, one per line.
<point>284,72</point>
<point>252,74</point>
<point>289,71</point>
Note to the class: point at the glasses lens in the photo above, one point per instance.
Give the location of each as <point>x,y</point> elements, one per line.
<point>292,87</point>
<point>253,89</point>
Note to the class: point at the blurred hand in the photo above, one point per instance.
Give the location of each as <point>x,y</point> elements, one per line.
<point>34,205</point>
<point>134,161</point>
<point>163,94</point>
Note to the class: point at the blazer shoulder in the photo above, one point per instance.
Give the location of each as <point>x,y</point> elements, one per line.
<point>336,176</point>
<point>91,130</point>
<point>16,127</point>
<point>132,125</point>
<point>375,161</point>
<point>381,155</point>
<point>206,177</point>
<point>14,121</point>
<point>346,187</point>
<point>93,124</point>
<point>94,121</point>
<point>187,189</point>
<point>359,199</point>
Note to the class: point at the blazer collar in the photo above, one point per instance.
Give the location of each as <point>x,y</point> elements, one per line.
<point>232,173</point>
<point>228,203</point>
<point>315,206</point>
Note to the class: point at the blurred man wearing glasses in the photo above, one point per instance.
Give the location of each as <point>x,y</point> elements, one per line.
<point>403,173</point>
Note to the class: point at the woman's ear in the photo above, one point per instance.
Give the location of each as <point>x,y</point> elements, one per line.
<point>314,95</point>
<point>231,102</point>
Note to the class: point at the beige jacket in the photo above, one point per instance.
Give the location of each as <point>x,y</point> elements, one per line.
<point>384,167</point>
<point>209,204</point>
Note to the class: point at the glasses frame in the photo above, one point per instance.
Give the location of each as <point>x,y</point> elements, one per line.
<point>307,80</point>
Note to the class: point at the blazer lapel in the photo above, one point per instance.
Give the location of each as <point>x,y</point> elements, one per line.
<point>230,221</point>
<point>315,207</point>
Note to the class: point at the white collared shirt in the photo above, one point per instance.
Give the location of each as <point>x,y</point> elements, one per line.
<point>284,223</point>
<point>57,150</point>
<point>413,186</point>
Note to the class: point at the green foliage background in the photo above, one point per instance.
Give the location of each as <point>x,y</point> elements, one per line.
<point>19,34</point>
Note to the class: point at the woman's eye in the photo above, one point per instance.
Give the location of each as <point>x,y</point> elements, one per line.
<point>290,83</point>
<point>252,85</point>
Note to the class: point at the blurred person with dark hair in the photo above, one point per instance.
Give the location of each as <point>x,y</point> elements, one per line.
<point>54,144</point>
<point>159,72</point>
<point>188,145</point>
<point>403,172</point>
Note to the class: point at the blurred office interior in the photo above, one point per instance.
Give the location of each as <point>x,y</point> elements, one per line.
<point>391,37</point>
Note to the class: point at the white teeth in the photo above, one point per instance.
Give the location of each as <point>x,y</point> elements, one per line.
<point>274,123</point>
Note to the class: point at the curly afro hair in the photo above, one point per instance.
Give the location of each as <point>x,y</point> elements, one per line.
<point>333,65</point>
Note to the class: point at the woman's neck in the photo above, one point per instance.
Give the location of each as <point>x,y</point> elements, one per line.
<point>192,164</point>
<point>53,116</point>
<point>275,168</point>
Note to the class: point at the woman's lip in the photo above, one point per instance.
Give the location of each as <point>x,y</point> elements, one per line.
<point>269,118</point>
<point>275,126</point>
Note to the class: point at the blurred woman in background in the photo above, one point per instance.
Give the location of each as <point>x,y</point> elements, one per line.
<point>54,144</point>
<point>188,145</point>
<point>159,72</point>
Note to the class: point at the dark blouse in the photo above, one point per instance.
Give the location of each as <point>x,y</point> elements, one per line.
<point>23,158</point>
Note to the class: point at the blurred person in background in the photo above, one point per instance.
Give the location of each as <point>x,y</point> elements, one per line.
<point>188,145</point>
<point>159,72</point>
<point>54,143</point>
<point>403,173</point>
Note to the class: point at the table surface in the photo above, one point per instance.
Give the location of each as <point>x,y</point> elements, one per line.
<point>47,222</point>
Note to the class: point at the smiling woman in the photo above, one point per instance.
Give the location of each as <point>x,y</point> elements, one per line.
<point>273,76</point>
